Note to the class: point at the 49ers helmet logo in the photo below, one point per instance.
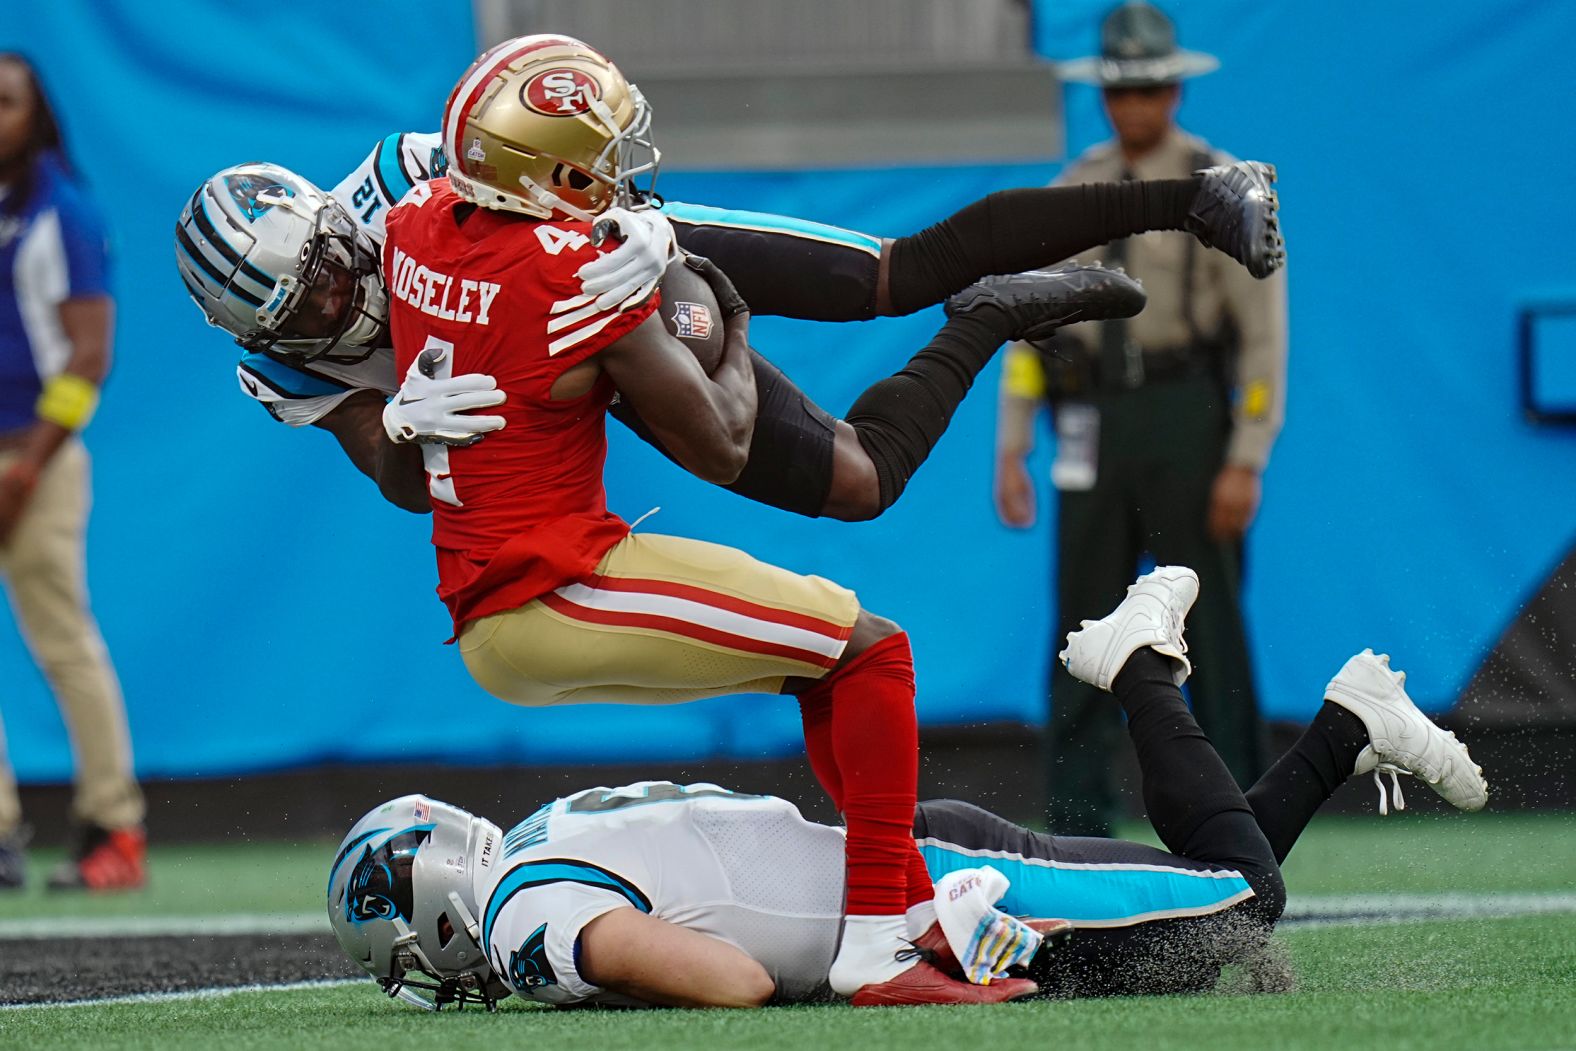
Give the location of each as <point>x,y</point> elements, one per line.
<point>561,92</point>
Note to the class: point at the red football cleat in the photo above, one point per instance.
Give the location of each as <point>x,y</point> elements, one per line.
<point>923,984</point>
<point>938,951</point>
<point>108,859</point>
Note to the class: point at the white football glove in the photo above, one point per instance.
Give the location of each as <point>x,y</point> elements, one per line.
<point>629,273</point>
<point>437,411</point>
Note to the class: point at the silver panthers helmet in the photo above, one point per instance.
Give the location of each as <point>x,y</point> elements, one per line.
<point>281,266</point>
<point>402,901</point>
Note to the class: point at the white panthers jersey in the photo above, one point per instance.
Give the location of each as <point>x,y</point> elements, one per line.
<point>303,394</point>
<point>748,870</point>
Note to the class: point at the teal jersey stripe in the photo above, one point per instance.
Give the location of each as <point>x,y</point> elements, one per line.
<point>704,215</point>
<point>1095,895</point>
<point>536,873</point>
<point>288,381</point>
<point>390,170</point>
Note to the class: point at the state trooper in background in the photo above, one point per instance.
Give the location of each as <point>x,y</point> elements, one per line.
<point>1164,425</point>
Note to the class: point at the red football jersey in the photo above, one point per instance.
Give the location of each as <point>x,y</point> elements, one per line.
<point>523,511</point>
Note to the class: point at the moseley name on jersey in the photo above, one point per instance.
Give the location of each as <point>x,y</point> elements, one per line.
<point>441,295</point>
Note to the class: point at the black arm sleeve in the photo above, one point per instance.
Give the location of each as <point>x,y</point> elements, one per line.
<point>785,274</point>
<point>790,465</point>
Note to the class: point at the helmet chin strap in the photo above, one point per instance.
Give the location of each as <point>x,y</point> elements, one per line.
<point>545,198</point>
<point>471,925</point>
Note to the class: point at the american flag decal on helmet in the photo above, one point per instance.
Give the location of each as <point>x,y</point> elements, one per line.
<point>691,320</point>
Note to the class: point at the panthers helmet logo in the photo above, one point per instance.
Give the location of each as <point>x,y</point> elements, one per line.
<point>528,966</point>
<point>380,885</point>
<point>252,193</point>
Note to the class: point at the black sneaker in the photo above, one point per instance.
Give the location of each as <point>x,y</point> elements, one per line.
<point>13,859</point>
<point>1038,302</point>
<point>1236,211</point>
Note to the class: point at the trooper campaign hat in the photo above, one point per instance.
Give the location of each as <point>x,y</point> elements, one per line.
<point>1138,48</point>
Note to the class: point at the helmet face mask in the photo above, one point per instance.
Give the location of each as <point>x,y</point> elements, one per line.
<point>546,126</point>
<point>337,309</point>
<point>402,902</point>
<point>281,266</point>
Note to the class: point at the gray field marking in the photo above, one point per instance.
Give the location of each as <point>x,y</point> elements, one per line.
<point>1320,911</point>
<point>1301,914</point>
<point>1335,910</point>
<point>159,926</point>
<point>191,994</point>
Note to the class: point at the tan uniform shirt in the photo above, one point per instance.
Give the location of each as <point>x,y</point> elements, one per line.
<point>1221,288</point>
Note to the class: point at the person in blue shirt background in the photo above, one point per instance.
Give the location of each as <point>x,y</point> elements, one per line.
<point>56,316</point>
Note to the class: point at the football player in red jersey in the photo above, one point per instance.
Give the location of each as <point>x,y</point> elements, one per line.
<point>315,356</point>
<point>554,599</point>
<point>317,353</point>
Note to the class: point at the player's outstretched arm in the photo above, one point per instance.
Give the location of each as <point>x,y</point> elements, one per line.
<point>629,952</point>
<point>705,422</point>
<point>358,424</point>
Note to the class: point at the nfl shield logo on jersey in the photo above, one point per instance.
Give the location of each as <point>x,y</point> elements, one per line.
<point>691,320</point>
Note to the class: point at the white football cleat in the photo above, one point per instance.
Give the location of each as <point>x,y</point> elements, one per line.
<point>1401,739</point>
<point>1151,615</point>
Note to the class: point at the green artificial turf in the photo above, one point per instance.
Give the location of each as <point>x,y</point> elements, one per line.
<point>202,880</point>
<point>1425,853</point>
<point>1462,984</point>
<point>1470,983</point>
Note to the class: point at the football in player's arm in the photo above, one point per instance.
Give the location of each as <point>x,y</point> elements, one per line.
<point>704,421</point>
<point>810,463</point>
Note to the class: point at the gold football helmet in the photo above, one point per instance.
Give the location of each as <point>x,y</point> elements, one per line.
<point>547,126</point>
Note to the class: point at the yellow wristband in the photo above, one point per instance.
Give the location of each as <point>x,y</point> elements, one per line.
<point>68,400</point>
<point>1022,374</point>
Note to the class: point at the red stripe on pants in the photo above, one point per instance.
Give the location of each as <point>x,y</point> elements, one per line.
<point>706,596</point>
<point>674,626</point>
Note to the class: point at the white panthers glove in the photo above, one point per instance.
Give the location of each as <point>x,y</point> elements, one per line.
<point>437,411</point>
<point>985,940</point>
<point>628,274</point>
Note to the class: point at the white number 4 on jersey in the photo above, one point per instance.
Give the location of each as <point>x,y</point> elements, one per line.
<point>555,240</point>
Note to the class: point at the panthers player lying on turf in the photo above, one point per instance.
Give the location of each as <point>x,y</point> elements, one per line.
<point>317,346</point>
<point>691,895</point>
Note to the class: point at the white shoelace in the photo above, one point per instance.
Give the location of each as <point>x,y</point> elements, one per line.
<point>1395,787</point>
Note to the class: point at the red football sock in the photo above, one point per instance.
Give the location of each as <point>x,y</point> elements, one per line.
<point>875,744</point>
<point>815,709</point>
<point>920,887</point>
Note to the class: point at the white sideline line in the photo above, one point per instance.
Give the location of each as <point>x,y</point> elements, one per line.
<point>1300,911</point>
<point>192,994</point>
<point>1333,910</point>
<point>157,926</point>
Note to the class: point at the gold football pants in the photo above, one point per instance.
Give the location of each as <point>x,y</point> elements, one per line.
<point>663,620</point>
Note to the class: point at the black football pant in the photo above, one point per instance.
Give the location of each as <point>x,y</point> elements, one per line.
<point>1139,926</point>
<point>1160,447</point>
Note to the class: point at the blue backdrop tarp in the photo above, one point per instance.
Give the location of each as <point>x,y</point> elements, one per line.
<point>265,609</point>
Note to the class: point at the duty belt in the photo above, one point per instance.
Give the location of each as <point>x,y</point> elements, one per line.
<point>1159,366</point>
